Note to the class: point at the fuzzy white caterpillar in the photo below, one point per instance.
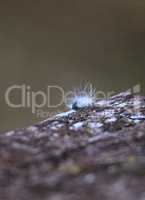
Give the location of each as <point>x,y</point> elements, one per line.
<point>82,97</point>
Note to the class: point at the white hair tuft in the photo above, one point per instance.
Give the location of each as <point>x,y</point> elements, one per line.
<point>82,97</point>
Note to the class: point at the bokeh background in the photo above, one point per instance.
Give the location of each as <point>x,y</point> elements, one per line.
<point>65,42</point>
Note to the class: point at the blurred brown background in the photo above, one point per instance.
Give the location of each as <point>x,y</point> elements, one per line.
<point>66,42</point>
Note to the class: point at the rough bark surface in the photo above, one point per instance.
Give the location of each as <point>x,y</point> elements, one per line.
<point>94,153</point>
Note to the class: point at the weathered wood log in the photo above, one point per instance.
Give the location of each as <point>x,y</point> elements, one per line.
<point>94,153</point>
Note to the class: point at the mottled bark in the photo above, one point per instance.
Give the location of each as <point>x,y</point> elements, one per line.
<point>94,153</point>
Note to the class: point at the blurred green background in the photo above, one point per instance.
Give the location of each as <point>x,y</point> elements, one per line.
<point>65,42</point>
